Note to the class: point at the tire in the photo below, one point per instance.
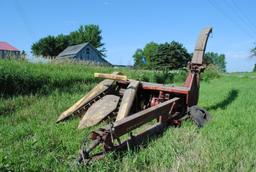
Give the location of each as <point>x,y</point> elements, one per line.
<point>199,115</point>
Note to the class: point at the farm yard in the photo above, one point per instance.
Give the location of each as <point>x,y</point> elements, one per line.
<point>33,96</point>
<point>128,86</point>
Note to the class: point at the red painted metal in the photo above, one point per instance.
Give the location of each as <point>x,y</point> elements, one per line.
<point>161,98</point>
<point>167,104</point>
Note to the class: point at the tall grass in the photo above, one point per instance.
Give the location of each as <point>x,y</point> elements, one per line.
<point>22,78</point>
<point>30,140</point>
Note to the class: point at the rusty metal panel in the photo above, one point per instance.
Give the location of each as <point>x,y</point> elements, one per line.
<point>166,88</point>
<point>127,100</point>
<point>200,46</point>
<point>134,121</point>
<point>99,110</point>
<point>96,91</point>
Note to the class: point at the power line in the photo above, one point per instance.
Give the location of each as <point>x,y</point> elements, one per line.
<point>230,18</point>
<point>243,14</point>
<point>237,12</point>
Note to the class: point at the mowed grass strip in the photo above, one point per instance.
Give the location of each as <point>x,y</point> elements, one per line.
<point>30,140</point>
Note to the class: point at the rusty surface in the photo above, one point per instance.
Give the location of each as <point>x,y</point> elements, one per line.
<point>99,110</point>
<point>141,102</point>
<point>134,121</point>
<point>165,88</point>
<point>200,46</point>
<point>131,143</point>
<point>160,87</point>
<point>108,134</point>
<point>102,87</point>
<point>127,100</point>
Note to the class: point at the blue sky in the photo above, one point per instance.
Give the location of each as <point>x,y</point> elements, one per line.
<point>130,24</point>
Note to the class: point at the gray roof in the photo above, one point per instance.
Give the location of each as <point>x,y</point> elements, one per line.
<point>72,50</point>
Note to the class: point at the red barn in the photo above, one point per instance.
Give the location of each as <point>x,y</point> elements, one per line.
<point>8,51</point>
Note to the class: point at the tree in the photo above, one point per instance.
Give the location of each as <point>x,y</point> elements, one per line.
<point>139,59</point>
<point>45,47</point>
<point>51,46</point>
<point>142,57</point>
<point>207,59</point>
<point>170,56</point>
<point>36,48</point>
<point>88,33</point>
<point>216,59</point>
<point>148,52</point>
<point>253,52</point>
<point>62,42</point>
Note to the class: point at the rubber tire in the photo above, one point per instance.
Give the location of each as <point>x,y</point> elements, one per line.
<point>199,115</point>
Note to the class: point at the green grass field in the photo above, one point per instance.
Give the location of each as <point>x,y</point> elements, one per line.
<point>33,95</point>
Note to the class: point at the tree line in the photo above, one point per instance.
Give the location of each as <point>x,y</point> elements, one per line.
<point>253,51</point>
<point>171,55</point>
<point>51,46</point>
<point>163,56</point>
<point>253,54</point>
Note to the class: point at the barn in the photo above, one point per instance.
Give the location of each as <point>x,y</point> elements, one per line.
<point>8,51</point>
<point>84,52</point>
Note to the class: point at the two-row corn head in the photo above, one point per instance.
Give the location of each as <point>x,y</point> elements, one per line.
<point>133,103</point>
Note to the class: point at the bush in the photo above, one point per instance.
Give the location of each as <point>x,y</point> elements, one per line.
<point>180,76</point>
<point>210,72</point>
<point>163,77</point>
<point>141,76</point>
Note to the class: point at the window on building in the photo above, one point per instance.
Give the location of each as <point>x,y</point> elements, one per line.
<point>87,51</point>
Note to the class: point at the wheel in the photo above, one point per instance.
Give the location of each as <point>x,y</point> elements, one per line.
<point>199,115</point>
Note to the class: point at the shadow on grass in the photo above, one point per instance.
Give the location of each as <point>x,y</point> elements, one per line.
<point>232,95</point>
<point>29,92</point>
<point>142,140</point>
<point>9,106</point>
<point>7,110</point>
<point>134,144</point>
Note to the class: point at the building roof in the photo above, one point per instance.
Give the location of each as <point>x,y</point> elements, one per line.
<point>6,46</point>
<point>72,50</point>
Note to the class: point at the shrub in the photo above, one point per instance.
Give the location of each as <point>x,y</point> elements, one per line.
<point>180,76</point>
<point>142,77</point>
<point>163,77</point>
<point>210,72</point>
